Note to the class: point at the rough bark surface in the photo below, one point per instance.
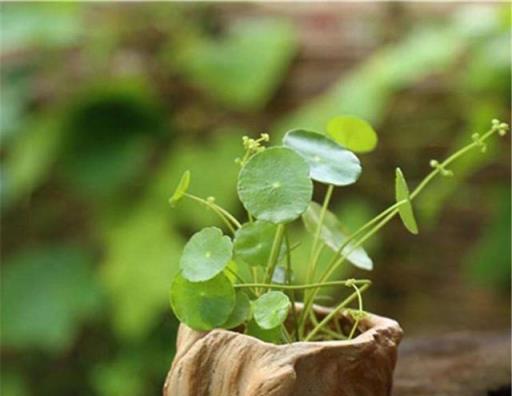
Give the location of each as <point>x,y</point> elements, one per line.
<point>226,363</point>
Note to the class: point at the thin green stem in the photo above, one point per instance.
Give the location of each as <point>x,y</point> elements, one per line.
<point>391,211</point>
<point>337,335</point>
<point>224,215</point>
<point>289,282</point>
<point>313,257</point>
<point>356,322</point>
<point>274,252</point>
<point>354,246</point>
<point>348,282</point>
<point>314,253</point>
<point>334,312</point>
<point>308,301</point>
<point>285,334</point>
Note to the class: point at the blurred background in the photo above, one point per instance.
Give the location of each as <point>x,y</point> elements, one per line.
<point>103,106</point>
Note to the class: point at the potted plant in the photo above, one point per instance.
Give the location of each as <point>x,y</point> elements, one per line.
<point>243,331</point>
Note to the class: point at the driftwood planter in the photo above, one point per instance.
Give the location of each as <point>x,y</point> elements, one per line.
<point>226,363</point>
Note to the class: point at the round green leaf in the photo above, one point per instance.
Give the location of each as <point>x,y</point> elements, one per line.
<point>271,335</point>
<point>205,255</point>
<point>353,133</point>
<point>202,306</point>
<point>241,312</point>
<point>331,233</point>
<point>181,189</point>
<point>253,242</point>
<point>329,162</point>
<point>271,309</point>
<point>275,186</point>
<point>405,211</point>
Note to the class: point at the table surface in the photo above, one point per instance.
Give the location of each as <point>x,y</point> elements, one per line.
<point>459,364</point>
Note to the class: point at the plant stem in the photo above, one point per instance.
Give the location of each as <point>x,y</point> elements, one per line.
<point>388,214</point>
<point>274,253</point>
<point>348,282</point>
<point>356,321</point>
<point>225,216</point>
<point>334,312</point>
<point>308,301</point>
<point>314,254</point>
<point>313,257</point>
<point>289,282</point>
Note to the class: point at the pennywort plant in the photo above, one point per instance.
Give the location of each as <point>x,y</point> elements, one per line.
<point>244,280</point>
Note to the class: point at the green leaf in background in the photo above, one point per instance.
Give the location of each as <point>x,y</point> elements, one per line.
<point>16,96</point>
<point>329,162</point>
<point>205,255</point>
<point>331,233</point>
<point>31,156</point>
<point>141,257</point>
<point>275,186</point>
<point>110,127</point>
<point>202,306</point>
<point>181,189</point>
<point>47,294</point>
<point>253,242</point>
<point>366,91</point>
<point>37,25</point>
<point>241,312</point>
<point>271,309</point>
<point>271,335</point>
<point>353,133</point>
<point>405,211</point>
<point>244,68</point>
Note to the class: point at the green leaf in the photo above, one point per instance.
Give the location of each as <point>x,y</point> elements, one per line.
<point>331,233</point>
<point>31,157</point>
<point>405,210</point>
<point>241,312</point>
<point>202,306</point>
<point>181,189</point>
<point>275,186</point>
<point>225,68</point>
<point>47,294</point>
<point>253,242</point>
<point>329,162</point>
<point>270,335</point>
<point>353,133</point>
<point>271,309</point>
<point>205,255</point>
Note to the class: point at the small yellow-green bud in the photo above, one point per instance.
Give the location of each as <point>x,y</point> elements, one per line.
<point>434,163</point>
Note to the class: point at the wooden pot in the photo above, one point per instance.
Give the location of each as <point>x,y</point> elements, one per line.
<point>227,363</point>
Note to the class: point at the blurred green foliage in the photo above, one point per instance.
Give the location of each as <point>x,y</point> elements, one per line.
<point>47,294</point>
<point>104,106</point>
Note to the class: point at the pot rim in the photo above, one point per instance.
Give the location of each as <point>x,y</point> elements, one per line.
<point>372,323</point>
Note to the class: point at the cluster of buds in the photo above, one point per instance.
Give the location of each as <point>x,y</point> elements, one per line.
<point>252,146</point>
<point>479,142</point>
<point>436,165</point>
<point>501,127</point>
